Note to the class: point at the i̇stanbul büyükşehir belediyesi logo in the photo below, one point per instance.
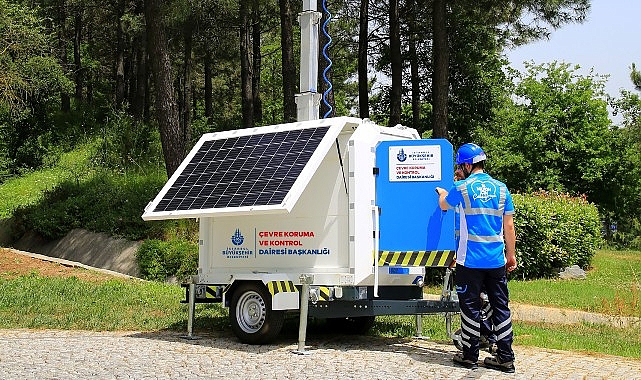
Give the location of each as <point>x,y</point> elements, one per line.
<point>237,238</point>
<point>237,252</point>
<point>401,156</point>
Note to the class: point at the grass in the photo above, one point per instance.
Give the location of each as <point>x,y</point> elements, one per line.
<point>612,287</point>
<point>72,193</point>
<point>38,302</point>
<point>586,338</point>
<point>29,188</point>
<point>69,303</point>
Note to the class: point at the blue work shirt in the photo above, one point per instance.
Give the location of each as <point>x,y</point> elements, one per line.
<point>482,201</point>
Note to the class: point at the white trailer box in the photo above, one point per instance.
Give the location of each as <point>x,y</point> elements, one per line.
<point>342,207</point>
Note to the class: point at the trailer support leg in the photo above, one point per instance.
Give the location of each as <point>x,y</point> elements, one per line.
<point>192,312</point>
<point>304,312</point>
<point>449,294</point>
<point>419,327</point>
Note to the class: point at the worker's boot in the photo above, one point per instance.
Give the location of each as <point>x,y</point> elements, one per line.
<point>467,363</point>
<point>495,363</point>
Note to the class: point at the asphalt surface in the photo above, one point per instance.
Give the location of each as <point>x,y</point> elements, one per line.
<point>47,354</point>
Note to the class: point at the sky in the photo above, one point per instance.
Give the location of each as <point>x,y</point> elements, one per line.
<point>608,41</point>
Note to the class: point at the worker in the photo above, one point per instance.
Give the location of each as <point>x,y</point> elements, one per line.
<point>487,340</point>
<point>485,253</point>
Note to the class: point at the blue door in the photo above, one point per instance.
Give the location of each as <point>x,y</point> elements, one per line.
<point>413,229</point>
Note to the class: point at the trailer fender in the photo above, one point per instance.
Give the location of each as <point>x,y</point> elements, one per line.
<point>284,293</point>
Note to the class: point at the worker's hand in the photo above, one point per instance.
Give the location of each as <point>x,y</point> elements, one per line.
<point>458,174</point>
<point>511,262</point>
<point>440,191</point>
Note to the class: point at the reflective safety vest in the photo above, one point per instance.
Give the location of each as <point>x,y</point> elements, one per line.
<point>482,202</point>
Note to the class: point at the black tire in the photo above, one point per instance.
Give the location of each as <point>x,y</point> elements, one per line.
<point>457,340</point>
<point>351,325</point>
<point>251,315</point>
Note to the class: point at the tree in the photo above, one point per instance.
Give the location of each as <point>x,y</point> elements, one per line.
<point>257,55</point>
<point>32,83</point>
<point>476,73</point>
<point>246,64</point>
<point>287,61</point>
<point>625,174</point>
<point>635,76</point>
<point>77,61</point>
<point>139,72</point>
<point>119,63</point>
<point>553,133</point>
<point>519,22</point>
<point>413,57</point>
<point>173,142</point>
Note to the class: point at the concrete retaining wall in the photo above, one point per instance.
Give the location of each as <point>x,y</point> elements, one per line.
<point>97,250</point>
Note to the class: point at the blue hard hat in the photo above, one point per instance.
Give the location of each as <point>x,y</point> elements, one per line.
<point>470,154</point>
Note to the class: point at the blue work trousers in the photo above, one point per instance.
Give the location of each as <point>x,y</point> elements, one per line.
<point>469,284</point>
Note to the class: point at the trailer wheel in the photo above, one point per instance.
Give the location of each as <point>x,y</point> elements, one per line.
<point>251,315</point>
<point>457,340</point>
<point>352,325</point>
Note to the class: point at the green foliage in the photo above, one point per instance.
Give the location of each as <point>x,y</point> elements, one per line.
<point>159,260</point>
<point>555,135</point>
<point>126,143</point>
<point>552,132</point>
<point>477,78</point>
<point>103,202</point>
<point>31,82</point>
<point>26,190</point>
<point>554,231</point>
<point>635,77</point>
<point>624,194</point>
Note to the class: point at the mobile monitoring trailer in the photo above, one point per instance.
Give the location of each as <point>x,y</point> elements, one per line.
<point>334,218</point>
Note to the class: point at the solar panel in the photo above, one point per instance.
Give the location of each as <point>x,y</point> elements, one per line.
<point>242,169</point>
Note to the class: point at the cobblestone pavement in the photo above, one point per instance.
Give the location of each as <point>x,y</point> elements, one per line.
<point>47,354</point>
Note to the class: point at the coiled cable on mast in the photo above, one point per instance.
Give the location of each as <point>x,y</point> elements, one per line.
<point>329,61</point>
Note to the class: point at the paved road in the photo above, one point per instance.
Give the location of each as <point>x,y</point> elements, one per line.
<point>37,354</point>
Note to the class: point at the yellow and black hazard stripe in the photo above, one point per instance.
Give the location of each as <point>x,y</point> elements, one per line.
<point>203,293</point>
<point>324,293</point>
<point>280,287</point>
<point>210,291</point>
<point>416,258</point>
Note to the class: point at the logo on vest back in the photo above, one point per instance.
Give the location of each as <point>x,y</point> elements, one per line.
<point>484,191</point>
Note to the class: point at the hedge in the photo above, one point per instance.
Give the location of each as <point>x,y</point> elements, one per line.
<point>554,231</point>
<point>159,260</point>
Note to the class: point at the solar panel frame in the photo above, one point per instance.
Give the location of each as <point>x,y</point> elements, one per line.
<point>185,195</point>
